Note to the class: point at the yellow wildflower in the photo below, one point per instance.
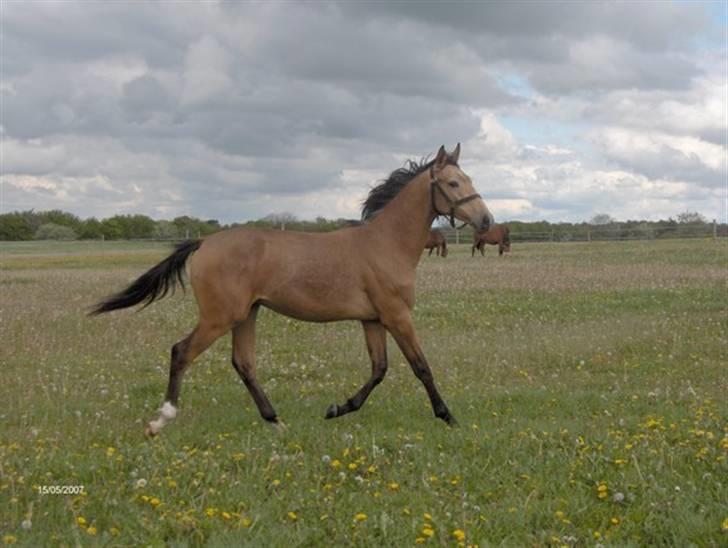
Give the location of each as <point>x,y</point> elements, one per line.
<point>420,540</point>
<point>81,521</point>
<point>336,463</point>
<point>9,539</point>
<point>353,466</point>
<point>597,535</point>
<point>247,522</point>
<point>725,525</point>
<point>154,501</point>
<point>394,486</point>
<point>360,517</point>
<point>428,517</point>
<point>292,516</point>
<point>226,515</point>
<point>428,531</point>
<point>91,530</point>
<point>459,535</point>
<point>115,532</point>
<point>210,512</point>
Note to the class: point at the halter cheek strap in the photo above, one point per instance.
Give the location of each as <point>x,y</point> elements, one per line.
<point>454,204</point>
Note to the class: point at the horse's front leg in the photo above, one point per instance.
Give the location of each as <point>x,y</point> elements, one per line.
<point>376,337</point>
<point>402,329</point>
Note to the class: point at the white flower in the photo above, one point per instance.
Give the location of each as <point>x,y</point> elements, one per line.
<point>326,459</point>
<point>141,483</point>
<point>26,524</point>
<point>618,497</point>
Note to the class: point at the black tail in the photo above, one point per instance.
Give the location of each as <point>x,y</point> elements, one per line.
<point>153,284</point>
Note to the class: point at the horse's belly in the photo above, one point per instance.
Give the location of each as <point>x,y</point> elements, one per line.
<point>325,305</point>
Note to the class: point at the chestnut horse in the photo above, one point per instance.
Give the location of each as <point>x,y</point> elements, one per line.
<point>497,234</point>
<point>437,241</point>
<point>364,273</point>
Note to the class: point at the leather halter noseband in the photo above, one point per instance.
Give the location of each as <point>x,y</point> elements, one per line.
<point>454,204</point>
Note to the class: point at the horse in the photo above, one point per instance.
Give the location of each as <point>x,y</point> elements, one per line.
<point>437,241</point>
<point>497,234</point>
<point>364,273</point>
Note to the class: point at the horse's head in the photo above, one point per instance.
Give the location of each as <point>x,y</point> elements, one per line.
<point>453,194</point>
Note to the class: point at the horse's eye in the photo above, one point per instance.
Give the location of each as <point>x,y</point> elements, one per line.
<point>454,184</point>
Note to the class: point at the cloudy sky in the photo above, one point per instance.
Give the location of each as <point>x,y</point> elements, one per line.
<point>234,110</point>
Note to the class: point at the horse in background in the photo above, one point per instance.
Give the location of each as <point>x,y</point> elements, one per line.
<point>437,242</point>
<point>498,234</point>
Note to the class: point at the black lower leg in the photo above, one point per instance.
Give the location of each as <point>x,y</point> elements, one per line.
<point>261,400</point>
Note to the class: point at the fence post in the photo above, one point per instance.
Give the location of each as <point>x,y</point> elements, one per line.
<point>457,236</point>
<point>715,230</point>
<point>588,234</point>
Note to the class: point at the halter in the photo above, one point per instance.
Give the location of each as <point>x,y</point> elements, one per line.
<point>454,204</point>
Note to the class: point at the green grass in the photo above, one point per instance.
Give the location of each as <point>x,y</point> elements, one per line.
<point>575,370</point>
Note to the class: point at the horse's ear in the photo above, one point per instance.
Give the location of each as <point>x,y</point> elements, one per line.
<point>441,158</point>
<point>455,156</point>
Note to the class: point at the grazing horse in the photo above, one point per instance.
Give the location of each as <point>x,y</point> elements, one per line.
<point>497,234</point>
<point>438,242</point>
<point>365,273</point>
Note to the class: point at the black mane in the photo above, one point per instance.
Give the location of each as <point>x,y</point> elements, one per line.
<point>383,193</point>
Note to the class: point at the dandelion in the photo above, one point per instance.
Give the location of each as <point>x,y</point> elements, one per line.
<point>336,463</point>
<point>618,497</point>
<point>26,524</point>
<point>292,516</point>
<point>353,466</point>
<point>428,531</point>
<point>725,525</point>
<point>9,539</point>
<point>326,459</point>
<point>81,521</point>
<point>247,522</point>
<point>360,517</point>
<point>559,514</point>
<point>210,512</point>
<point>394,486</point>
<point>597,535</point>
<point>141,483</point>
<point>91,530</point>
<point>602,490</point>
<point>615,521</point>
<point>420,540</point>
<point>154,501</point>
<point>428,517</point>
<point>226,516</point>
<point>115,532</point>
<point>459,535</point>
<point>276,482</point>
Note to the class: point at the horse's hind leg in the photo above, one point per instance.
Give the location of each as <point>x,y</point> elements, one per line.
<point>376,337</point>
<point>183,353</point>
<point>244,364</point>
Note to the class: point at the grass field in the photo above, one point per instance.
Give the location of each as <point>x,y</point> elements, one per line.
<point>589,380</point>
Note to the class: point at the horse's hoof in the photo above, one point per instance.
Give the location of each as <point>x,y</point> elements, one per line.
<point>451,422</point>
<point>280,426</point>
<point>332,411</point>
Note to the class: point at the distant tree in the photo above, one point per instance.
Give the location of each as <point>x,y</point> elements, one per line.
<point>112,229</point>
<point>690,217</point>
<point>280,219</point>
<point>166,230</point>
<point>52,231</point>
<point>15,226</point>
<point>58,217</point>
<point>91,229</point>
<point>601,219</point>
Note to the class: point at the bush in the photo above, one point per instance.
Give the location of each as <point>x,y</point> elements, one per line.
<point>52,231</point>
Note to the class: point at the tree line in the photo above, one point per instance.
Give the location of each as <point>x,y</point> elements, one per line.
<point>61,225</point>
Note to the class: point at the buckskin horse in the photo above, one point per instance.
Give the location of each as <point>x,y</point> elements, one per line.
<point>364,273</point>
<point>437,242</point>
<point>498,234</point>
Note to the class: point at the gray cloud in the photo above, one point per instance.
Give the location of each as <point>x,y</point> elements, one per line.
<point>216,109</point>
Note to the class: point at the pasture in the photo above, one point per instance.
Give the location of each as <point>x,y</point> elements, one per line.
<point>589,381</point>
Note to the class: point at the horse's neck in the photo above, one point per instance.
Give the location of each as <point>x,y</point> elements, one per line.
<point>407,219</point>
